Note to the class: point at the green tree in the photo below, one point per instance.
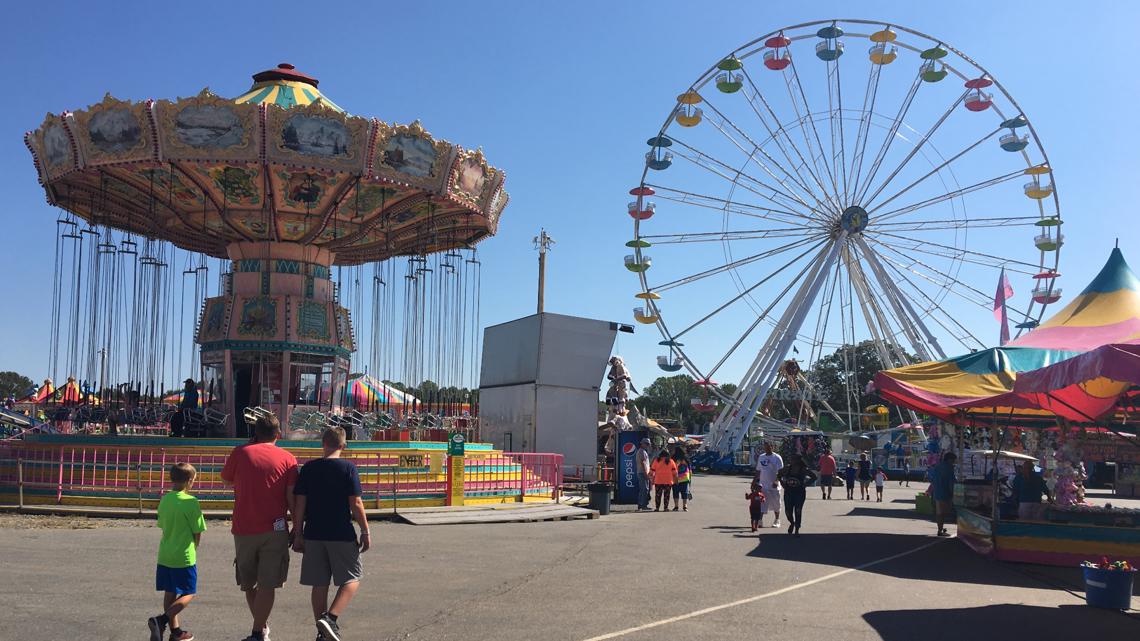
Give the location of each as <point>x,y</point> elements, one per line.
<point>671,397</point>
<point>14,384</point>
<point>848,370</point>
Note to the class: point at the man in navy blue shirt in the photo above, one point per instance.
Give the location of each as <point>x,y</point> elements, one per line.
<point>328,501</point>
<point>942,481</point>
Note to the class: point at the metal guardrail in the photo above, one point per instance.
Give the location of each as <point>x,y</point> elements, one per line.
<point>388,479</point>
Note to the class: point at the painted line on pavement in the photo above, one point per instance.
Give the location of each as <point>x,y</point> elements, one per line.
<point>766,595</point>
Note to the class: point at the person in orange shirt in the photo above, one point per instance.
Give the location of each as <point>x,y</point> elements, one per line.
<point>664,474</point>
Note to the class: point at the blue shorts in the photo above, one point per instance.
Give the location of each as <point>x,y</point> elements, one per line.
<point>176,580</point>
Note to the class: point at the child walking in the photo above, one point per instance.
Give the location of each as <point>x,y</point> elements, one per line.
<point>684,478</point>
<point>756,502</point>
<point>182,524</point>
<point>849,477</point>
<point>880,479</point>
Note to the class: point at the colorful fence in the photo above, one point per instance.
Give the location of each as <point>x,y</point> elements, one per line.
<point>136,477</point>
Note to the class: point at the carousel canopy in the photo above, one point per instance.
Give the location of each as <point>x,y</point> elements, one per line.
<point>1106,312</point>
<point>281,163</point>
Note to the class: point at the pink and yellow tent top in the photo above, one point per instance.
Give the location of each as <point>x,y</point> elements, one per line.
<point>981,383</point>
<point>368,392</point>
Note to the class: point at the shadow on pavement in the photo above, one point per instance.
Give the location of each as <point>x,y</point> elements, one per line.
<point>1004,622</point>
<point>949,560</point>
<point>894,513</point>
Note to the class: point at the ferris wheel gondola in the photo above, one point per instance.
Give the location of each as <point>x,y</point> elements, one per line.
<point>831,199</point>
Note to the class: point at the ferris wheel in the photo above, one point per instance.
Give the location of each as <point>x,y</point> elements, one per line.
<point>803,197</point>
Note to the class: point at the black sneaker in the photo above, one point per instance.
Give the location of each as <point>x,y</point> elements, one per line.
<point>328,629</point>
<point>157,627</point>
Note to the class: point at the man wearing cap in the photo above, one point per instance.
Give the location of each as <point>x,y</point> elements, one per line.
<point>189,401</point>
<point>641,458</point>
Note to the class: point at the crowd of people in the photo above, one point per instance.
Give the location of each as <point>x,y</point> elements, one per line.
<point>774,478</point>
<point>664,476</point>
<point>278,507</point>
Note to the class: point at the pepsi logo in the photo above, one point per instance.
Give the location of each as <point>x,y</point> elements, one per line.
<point>628,449</point>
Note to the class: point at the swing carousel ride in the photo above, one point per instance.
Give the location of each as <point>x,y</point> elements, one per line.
<point>308,211</point>
<point>815,198</point>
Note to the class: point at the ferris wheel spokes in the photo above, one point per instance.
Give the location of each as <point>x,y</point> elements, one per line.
<point>749,182</point>
<point>722,236</point>
<point>959,223</point>
<point>980,298</point>
<point>718,121</point>
<point>799,100</point>
<point>911,322</point>
<point>749,290</point>
<point>864,183</point>
<point>753,95</point>
<point>964,255</point>
<point>950,195</point>
<point>961,335</point>
<point>740,262</point>
<point>835,116</point>
<point>762,375</point>
<point>864,133</point>
<point>725,205</point>
<point>917,147</point>
<point>762,316</point>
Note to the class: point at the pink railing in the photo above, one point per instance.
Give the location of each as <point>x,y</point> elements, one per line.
<point>387,478</point>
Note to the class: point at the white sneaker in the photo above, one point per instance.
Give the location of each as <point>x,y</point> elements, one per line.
<point>777,523</point>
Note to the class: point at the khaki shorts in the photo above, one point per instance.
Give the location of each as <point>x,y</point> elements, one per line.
<point>261,560</point>
<point>335,560</point>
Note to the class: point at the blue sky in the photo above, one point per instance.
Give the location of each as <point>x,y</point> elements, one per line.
<point>562,96</point>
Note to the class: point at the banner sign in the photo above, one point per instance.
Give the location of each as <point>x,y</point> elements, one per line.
<point>626,466</point>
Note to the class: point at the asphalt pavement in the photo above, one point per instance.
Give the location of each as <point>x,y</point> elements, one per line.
<point>859,570</point>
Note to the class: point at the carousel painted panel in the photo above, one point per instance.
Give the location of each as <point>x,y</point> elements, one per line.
<point>259,317</point>
<point>336,230</point>
<point>369,200</point>
<point>255,225</point>
<point>345,338</point>
<point>215,320</point>
<point>292,227</point>
<point>408,154</point>
<point>53,147</point>
<point>305,192</point>
<point>237,186</point>
<point>313,322</point>
<point>472,178</point>
<point>115,131</point>
<point>495,210</point>
<point>317,136</point>
<point>169,186</point>
<point>207,127</point>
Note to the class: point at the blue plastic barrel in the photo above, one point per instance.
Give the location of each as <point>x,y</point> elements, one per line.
<point>1110,589</point>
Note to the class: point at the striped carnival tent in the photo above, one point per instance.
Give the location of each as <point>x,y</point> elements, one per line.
<point>367,392</point>
<point>982,383</point>
<point>285,87</point>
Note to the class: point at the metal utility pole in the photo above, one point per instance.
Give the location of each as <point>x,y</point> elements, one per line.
<point>543,243</point>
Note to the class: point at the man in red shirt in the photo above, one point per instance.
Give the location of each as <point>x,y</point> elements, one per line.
<point>826,473</point>
<point>263,476</point>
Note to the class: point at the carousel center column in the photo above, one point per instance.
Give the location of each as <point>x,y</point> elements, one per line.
<point>277,338</point>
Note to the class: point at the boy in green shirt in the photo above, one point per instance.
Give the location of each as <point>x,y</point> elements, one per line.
<point>182,524</point>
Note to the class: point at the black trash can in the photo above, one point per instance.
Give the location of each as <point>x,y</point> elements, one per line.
<point>600,494</point>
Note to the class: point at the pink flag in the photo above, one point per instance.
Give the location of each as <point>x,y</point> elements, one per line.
<point>1004,293</point>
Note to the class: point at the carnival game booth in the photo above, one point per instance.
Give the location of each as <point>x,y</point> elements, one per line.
<point>1074,372</point>
<point>131,472</point>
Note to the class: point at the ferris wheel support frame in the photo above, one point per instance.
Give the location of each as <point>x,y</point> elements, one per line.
<point>730,427</point>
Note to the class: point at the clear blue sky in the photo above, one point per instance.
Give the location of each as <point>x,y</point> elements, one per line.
<point>560,95</point>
